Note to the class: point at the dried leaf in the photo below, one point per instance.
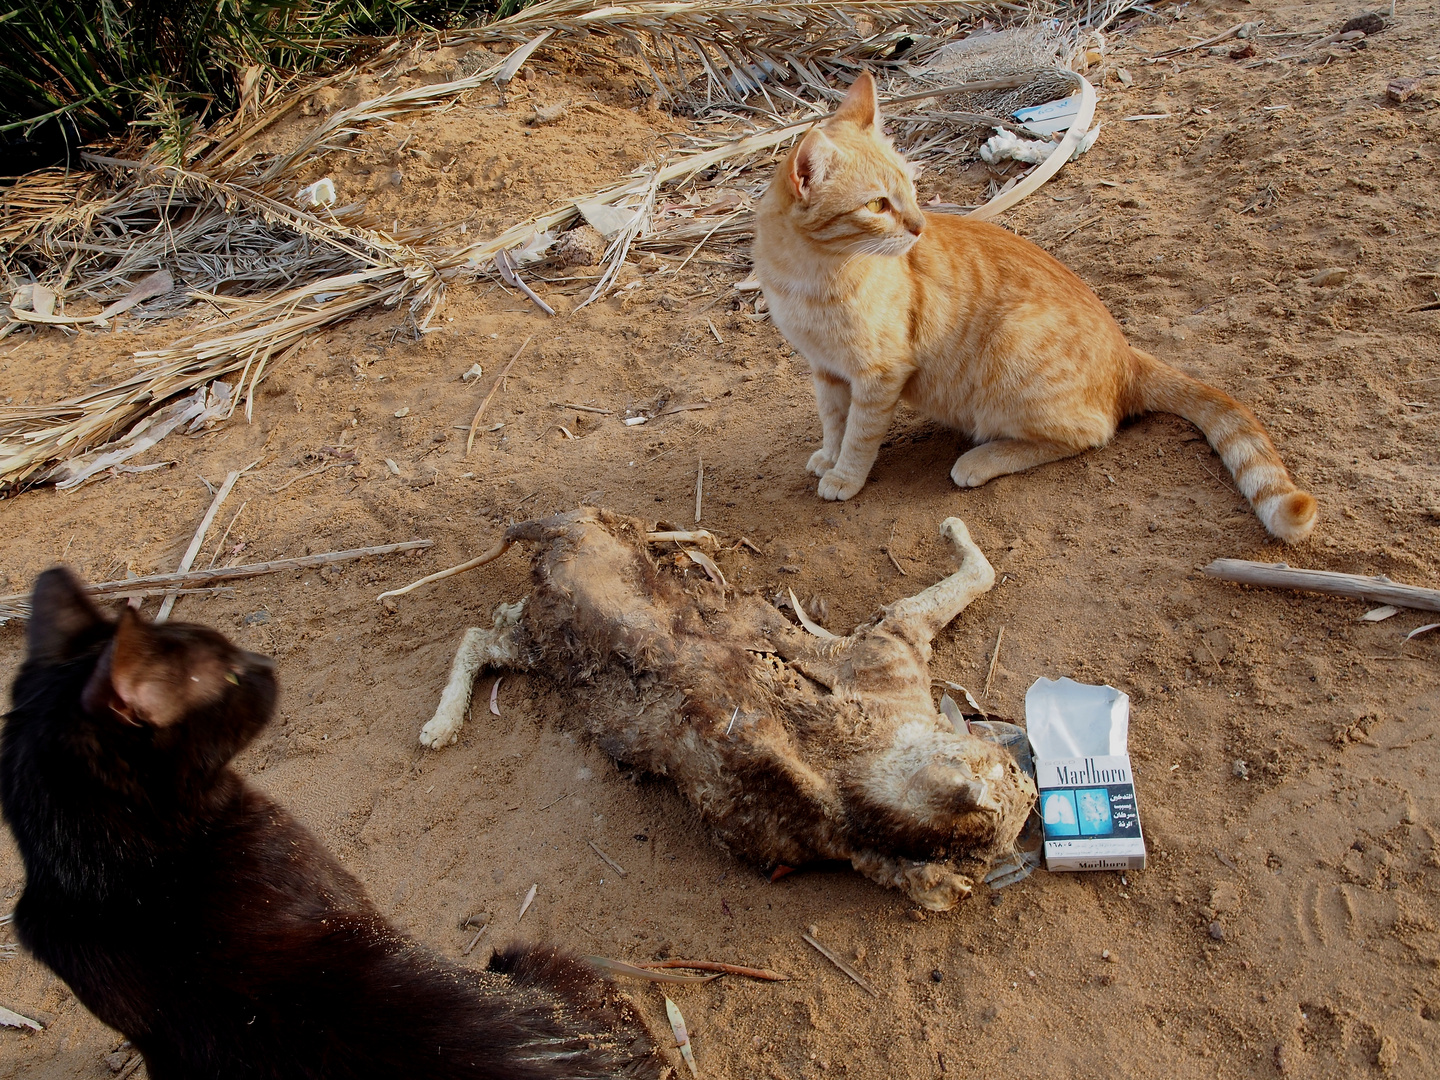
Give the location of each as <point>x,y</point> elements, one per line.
<point>682,1036</point>
<point>1422,630</point>
<point>516,59</point>
<point>1379,614</point>
<point>529,899</point>
<point>807,622</point>
<point>708,565</point>
<point>14,1019</point>
<point>495,697</point>
<point>951,712</point>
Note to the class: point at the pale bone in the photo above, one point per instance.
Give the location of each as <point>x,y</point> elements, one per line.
<point>478,648</point>
<point>793,748</point>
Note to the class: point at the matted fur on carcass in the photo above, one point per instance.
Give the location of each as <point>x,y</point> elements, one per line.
<point>793,747</point>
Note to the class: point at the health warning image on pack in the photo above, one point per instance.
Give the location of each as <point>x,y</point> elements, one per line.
<point>1094,809</point>
<point>1061,820</point>
<point>1100,811</point>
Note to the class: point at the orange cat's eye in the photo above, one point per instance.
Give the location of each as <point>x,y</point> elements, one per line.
<point>878,206</point>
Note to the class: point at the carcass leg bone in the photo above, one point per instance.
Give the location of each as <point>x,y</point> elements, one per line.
<point>479,648</point>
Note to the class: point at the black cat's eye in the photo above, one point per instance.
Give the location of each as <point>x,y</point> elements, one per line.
<point>878,206</point>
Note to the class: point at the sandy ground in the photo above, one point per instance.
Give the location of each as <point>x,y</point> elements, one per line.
<point>1204,232</point>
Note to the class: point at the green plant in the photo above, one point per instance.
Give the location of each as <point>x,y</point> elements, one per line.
<point>76,70</point>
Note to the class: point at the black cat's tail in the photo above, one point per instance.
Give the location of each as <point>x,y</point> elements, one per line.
<point>590,1030</point>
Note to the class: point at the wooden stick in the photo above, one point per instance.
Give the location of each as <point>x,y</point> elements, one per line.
<point>699,488</point>
<point>580,408</point>
<point>188,559</point>
<point>16,606</point>
<point>846,968</point>
<point>475,423</point>
<point>1216,40</point>
<point>994,656</point>
<point>611,862</point>
<point>714,965</point>
<point>474,940</point>
<point>312,472</point>
<point>890,552</point>
<point>480,560</point>
<point>1280,576</point>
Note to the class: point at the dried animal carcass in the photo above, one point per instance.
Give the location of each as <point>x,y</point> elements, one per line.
<point>794,747</point>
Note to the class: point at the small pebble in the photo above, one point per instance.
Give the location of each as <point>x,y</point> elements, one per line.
<point>1217,931</point>
<point>937,975</point>
<point>917,914</point>
<point>1241,769</point>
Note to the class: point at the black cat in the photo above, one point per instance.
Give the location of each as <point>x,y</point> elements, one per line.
<point>195,915</point>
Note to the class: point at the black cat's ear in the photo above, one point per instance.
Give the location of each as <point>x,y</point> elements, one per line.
<point>861,105</point>
<point>61,617</point>
<point>809,163</point>
<point>157,678</point>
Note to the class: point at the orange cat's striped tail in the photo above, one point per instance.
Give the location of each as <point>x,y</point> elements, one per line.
<point>1235,433</point>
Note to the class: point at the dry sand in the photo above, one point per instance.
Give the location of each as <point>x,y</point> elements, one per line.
<point>1203,231</point>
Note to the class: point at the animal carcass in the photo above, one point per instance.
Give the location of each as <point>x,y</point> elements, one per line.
<point>794,747</point>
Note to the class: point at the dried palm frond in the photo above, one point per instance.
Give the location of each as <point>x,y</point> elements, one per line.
<point>226,222</point>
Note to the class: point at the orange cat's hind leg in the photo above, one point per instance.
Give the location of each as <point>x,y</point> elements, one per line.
<point>1004,456</point>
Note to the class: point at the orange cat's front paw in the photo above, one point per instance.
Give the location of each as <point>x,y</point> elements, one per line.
<point>821,462</point>
<point>838,488</point>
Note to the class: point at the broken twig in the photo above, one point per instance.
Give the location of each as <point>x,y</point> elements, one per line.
<point>475,422</point>
<point>17,606</point>
<point>199,538</point>
<point>994,657</point>
<point>608,860</point>
<point>764,974</point>
<point>846,968</point>
<point>635,971</point>
<point>511,278</point>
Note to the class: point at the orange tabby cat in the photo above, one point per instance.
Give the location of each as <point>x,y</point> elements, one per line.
<point>968,324</point>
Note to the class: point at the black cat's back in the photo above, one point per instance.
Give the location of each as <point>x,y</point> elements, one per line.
<point>197,916</point>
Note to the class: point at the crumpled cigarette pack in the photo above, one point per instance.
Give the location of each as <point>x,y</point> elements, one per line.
<point>1079,734</point>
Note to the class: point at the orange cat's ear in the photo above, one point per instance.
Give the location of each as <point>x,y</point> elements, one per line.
<point>861,105</point>
<point>809,163</point>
